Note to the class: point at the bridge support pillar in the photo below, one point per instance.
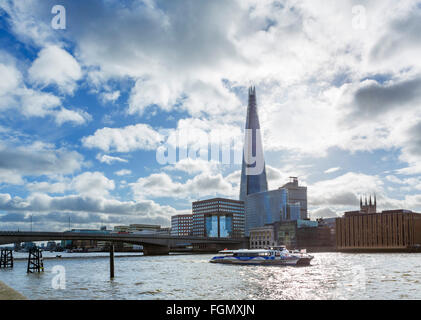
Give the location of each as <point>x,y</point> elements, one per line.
<point>153,250</point>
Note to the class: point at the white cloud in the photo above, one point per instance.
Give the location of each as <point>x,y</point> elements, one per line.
<point>55,65</point>
<point>123,172</point>
<point>92,183</point>
<point>161,185</point>
<point>16,96</point>
<point>109,159</point>
<point>332,170</point>
<point>194,166</point>
<point>344,191</point>
<point>127,139</point>
<point>74,116</point>
<point>110,96</point>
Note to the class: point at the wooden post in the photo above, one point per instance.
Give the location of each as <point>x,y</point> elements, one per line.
<point>35,261</point>
<point>111,261</point>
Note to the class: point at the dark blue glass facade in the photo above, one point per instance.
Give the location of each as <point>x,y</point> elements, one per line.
<point>253,183</point>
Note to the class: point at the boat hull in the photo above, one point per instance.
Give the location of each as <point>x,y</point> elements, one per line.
<point>262,261</point>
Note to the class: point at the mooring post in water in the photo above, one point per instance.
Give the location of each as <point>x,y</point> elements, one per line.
<point>6,258</point>
<point>35,261</point>
<point>111,260</point>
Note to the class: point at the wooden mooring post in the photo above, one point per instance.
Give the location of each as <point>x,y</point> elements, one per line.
<point>6,258</point>
<point>35,261</point>
<point>111,261</point>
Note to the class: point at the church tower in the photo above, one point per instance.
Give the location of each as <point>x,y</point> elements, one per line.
<point>368,206</point>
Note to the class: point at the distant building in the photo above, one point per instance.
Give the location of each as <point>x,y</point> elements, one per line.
<point>144,227</point>
<point>87,244</point>
<point>265,208</point>
<point>51,245</point>
<point>218,218</point>
<point>392,230</point>
<point>297,195</point>
<point>294,234</point>
<point>288,203</point>
<point>182,225</point>
<point>132,228</point>
<point>263,237</point>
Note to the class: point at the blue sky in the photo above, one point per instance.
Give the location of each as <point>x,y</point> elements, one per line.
<point>84,109</point>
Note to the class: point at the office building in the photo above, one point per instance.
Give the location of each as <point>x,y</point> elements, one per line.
<point>263,237</point>
<point>182,225</point>
<point>297,194</point>
<point>283,204</point>
<point>392,230</point>
<point>218,218</point>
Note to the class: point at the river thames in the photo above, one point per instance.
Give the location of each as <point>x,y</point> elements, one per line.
<point>192,277</point>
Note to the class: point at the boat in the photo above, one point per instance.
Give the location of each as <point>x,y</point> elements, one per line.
<point>273,256</point>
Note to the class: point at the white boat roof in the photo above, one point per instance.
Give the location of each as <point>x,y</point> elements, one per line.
<point>247,251</point>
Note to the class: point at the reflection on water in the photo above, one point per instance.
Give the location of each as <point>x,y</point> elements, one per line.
<point>331,276</point>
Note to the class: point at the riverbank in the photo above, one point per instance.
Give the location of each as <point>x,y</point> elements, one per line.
<point>7,293</point>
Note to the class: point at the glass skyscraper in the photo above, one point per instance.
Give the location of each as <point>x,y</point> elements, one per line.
<point>263,207</point>
<point>253,181</point>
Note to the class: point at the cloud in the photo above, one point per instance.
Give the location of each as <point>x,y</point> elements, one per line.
<point>55,66</point>
<point>332,170</point>
<point>123,172</point>
<point>92,183</point>
<point>343,191</point>
<point>110,96</point>
<point>373,100</point>
<point>16,97</point>
<point>161,185</point>
<point>109,159</point>
<point>194,166</point>
<point>36,159</point>
<point>127,139</point>
<point>324,213</point>
<point>94,209</point>
<point>78,117</point>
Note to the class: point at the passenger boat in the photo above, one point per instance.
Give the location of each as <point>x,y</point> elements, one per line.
<point>272,256</point>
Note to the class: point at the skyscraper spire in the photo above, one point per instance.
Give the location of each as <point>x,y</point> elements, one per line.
<point>253,172</point>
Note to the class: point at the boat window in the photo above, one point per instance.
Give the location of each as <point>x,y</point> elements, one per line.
<point>264,254</point>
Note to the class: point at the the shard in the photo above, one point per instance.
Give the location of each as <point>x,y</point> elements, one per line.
<point>253,173</point>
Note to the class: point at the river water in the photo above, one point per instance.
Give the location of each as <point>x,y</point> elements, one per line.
<point>331,276</point>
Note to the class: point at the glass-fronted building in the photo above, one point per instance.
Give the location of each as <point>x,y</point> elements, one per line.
<point>265,208</point>
<point>218,218</point>
<point>269,207</point>
<point>182,225</point>
<point>253,175</point>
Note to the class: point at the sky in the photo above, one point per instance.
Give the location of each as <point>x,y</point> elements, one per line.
<point>95,94</point>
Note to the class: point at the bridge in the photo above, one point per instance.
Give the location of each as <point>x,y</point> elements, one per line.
<point>153,244</point>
